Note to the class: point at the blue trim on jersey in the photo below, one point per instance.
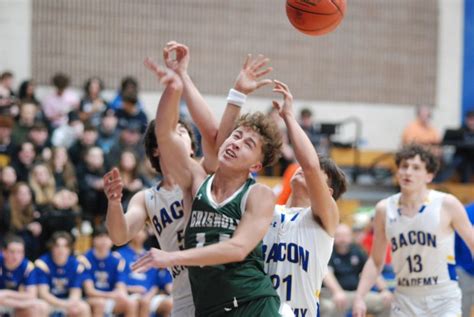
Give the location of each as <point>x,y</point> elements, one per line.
<point>282,218</point>
<point>295,216</point>
<point>452,272</point>
<point>23,275</point>
<point>317,310</point>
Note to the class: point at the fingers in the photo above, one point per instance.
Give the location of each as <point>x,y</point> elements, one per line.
<point>259,62</point>
<point>263,72</point>
<point>264,82</point>
<point>247,60</point>
<point>276,105</point>
<point>151,65</point>
<point>142,263</point>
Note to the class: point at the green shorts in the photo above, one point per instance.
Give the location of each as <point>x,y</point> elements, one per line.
<point>262,307</point>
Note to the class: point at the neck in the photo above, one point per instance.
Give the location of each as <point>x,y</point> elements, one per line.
<point>298,198</point>
<point>342,249</point>
<point>11,266</point>
<point>413,199</point>
<point>101,254</point>
<point>225,184</point>
<point>136,247</point>
<point>167,183</point>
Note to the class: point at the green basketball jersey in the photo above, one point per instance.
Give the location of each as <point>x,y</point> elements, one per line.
<point>223,287</point>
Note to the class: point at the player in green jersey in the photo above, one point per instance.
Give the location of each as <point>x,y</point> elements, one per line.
<point>225,207</point>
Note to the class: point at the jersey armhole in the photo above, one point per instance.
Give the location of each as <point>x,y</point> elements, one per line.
<point>243,202</point>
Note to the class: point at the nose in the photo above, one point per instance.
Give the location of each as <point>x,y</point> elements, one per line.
<point>235,145</point>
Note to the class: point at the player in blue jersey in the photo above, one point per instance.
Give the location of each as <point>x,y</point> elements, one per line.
<point>152,288</point>
<point>60,277</point>
<point>419,223</point>
<point>105,278</point>
<point>18,292</point>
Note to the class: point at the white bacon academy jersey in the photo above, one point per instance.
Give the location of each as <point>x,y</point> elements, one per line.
<point>296,252</point>
<point>166,214</point>
<point>422,256</point>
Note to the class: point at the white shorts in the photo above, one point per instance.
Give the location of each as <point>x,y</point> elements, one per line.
<point>156,301</point>
<point>183,311</point>
<point>446,305</point>
<point>109,306</point>
<point>286,311</point>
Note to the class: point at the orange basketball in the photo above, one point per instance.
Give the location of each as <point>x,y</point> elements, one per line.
<point>315,17</point>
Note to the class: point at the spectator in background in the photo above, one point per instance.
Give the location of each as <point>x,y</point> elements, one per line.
<point>68,134</point>
<point>92,104</point>
<point>108,133</point>
<point>62,169</point>
<point>6,143</point>
<point>131,114</point>
<point>39,137</point>
<point>79,148</point>
<point>57,105</point>
<point>129,171</point>
<point>345,266</point>
<point>23,161</point>
<point>129,86</point>
<point>6,84</point>
<point>25,218</point>
<point>26,120</point>
<point>60,277</point>
<point>464,156</point>
<point>421,130</point>
<point>152,288</point>
<point>105,278</point>
<point>26,92</point>
<point>7,180</point>
<point>18,281</point>
<point>130,139</point>
<point>43,185</point>
<point>313,131</point>
<point>465,268</point>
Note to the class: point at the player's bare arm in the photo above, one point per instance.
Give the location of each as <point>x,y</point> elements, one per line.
<point>323,206</point>
<point>122,226</point>
<point>459,220</point>
<point>250,231</point>
<point>177,164</point>
<point>374,265</point>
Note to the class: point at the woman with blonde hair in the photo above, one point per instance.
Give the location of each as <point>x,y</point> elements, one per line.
<point>43,185</point>
<point>62,169</point>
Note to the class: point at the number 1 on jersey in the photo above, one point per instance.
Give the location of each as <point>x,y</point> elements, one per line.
<point>276,280</point>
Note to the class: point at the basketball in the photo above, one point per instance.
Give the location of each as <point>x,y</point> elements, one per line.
<point>315,17</point>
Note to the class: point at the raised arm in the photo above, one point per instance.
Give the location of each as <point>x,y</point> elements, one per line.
<point>374,264</point>
<point>323,206</point>
<point>175,158</point>
<point>250,231</point>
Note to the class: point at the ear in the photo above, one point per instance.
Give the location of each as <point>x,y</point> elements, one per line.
<point>256,167</point>
<point>331,191</point>
<point>429,178</point>
<point>156,152</point>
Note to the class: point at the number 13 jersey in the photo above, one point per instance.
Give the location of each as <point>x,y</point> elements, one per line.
<point>422,255</point>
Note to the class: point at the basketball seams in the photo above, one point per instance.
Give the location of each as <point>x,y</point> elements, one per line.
<point>314,13</point>
<point>337,6</point>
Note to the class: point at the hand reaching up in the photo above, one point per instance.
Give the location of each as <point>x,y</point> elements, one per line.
<point>113,185</point>
<point>166,76</point>
<point>181,61</point>
<point>287,107</point>
<point>249,78</point>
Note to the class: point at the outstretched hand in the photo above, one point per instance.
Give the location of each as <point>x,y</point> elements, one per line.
<point>154,258</point>
<point>181,61</point>
<point>286,107</point>
<point>165,76</point>
<point>113,185</point>
<point>249,78</point>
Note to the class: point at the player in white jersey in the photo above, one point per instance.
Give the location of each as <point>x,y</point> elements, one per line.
<point>163,204</point>
<point>419,223</point>
<point>299,243</point>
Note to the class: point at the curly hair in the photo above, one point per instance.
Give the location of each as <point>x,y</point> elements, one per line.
<point>426,156</point>
<point>269,132</point>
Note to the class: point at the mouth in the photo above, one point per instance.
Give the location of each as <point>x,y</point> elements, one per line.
<point>230,153</point>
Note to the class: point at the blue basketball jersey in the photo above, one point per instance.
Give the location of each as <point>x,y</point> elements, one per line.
<point>60,279</point>
<point>22,276</point>
<point>105,273</point>
<point>153,277</point>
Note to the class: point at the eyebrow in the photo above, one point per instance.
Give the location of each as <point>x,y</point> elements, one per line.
<point>254,144</point>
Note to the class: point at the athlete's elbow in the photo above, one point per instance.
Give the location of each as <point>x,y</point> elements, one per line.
<point>239,252</point>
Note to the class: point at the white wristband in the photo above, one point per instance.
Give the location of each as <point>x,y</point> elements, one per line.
<point>236,98</point>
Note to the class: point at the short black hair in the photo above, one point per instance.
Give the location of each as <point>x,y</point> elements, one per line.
<point>100,230</point>
<point>11,238</point>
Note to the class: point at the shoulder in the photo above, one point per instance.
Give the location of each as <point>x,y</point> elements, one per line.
<point>261,190</point>
<point>450,201</point>
<point>381,207</point>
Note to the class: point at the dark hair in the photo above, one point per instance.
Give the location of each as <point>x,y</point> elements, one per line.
<point>100,230</point>
<point>60,235</point>
<point>88,83</point>
<point>305,112</point>
<point>336,177</point>
<point>128,81</point>
<point>269,133</point>
<point>151,143</point>
<point>23,91</point>
<point>60,81</point>
<point>11,238</point>
<point>6,74</point>
<point>426,155</point>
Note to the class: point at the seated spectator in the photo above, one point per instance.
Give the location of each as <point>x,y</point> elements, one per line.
<point>91,186</point>
<point>26,120</point>
<point>153,288</point>
<point>60,277</point>
<point>108,133</point>
<point>78,150</point>
<point>25,218</point>
<point>345,266</point>
<point>92,104</point>
<point>7,181</point>
<point>313,131</point>
<point>105,278</point>
<point>421,130</point>
<point>465,268</point>
<point>130,139</point>
<point>129,85</point>
<point>6,84</point>
<point>63,100</point>
<point>132,180</point>
<point>23,161</point>
<point>39,137</point>
<point>26,92</point>
<point>43,185</point>
<point>18,292</point>
<point>6,142</point>
<point>62,169</point>
<point>68,134</point>
<point>131,114</point>
<point>463,159</point>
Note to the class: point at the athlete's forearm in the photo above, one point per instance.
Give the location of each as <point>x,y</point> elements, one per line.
<point>331,282</point>
<point>116,223</point>
<point>367,278</point>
